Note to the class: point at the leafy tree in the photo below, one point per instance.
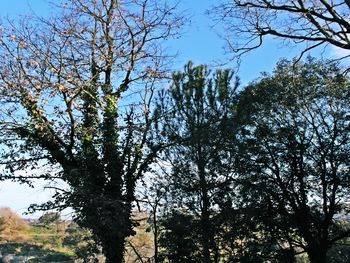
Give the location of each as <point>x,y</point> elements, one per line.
<point>69,110</point>
<point>295,155</point>
<point>313,23</point>
<point>197,121</point>
<point>53,222</point>
<point>340,252</point>
<point>179,238</point>
<point>50,218</point>
<point>245,239</point>
<point>81,242</point>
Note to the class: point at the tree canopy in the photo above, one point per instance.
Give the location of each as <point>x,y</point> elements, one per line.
<point>228,174</point>
<point>295,155</point>
<point>64,110</point>
<point>198,122</point>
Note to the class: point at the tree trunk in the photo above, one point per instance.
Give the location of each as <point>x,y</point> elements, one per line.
<point>289,256</point>
<point>113,244</point>
<point>206,236</point>
<point>205,217</point>
<point>318,257</point>
<point>317,253</point>
<point>155,235</point>
<point>113,249</point>
<point>115,234</point>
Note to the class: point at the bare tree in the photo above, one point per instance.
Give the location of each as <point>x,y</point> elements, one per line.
<point>310,23</point>
<point>76,92</point>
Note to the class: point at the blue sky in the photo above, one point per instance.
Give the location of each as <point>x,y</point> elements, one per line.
<point>199,43</point>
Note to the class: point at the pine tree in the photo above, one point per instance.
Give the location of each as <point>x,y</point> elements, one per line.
<point>197,120</point>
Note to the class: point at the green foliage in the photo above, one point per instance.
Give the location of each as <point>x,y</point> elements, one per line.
<point>339,253</point>
<point>295,154</point>
<point>50,218</point>
<point>179,240</point>
<point>80,241</point>
<point>197,121</point>
<point>286,140</point>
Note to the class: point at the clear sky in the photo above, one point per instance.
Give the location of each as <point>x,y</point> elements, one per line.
<point>199,43</point>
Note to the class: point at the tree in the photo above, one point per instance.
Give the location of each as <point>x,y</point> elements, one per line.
<point>179,238</point>
<point>295,155</point>
<point>70,107</point>
<point>198,123</point>
<point>50,218</point>
<point>312,23</point>
<point>12,226</point>
<point>80,241</point>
